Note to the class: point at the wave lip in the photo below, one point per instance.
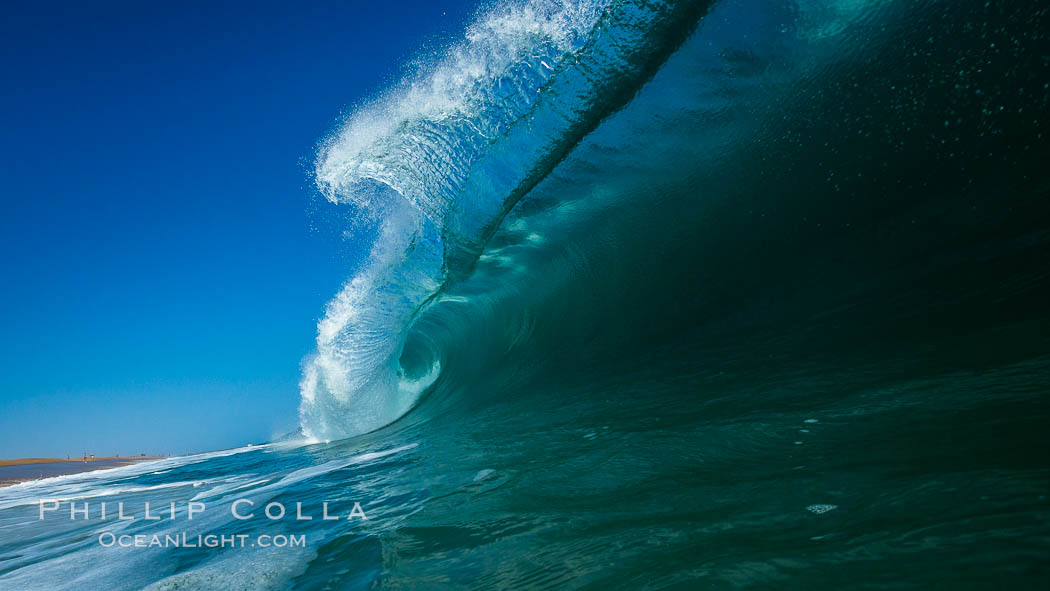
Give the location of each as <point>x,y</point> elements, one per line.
<point>439,162</point>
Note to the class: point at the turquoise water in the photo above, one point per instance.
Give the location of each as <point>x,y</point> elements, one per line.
<point>662,296</point>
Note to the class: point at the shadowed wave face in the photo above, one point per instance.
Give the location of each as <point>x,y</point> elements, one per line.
<point>662,295</point>
<point>672,268</point>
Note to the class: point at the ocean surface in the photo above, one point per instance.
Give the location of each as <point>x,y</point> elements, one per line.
<point>661,295</point>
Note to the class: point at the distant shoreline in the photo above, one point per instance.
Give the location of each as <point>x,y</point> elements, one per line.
<point>31,461</point>
<point>28,469</point>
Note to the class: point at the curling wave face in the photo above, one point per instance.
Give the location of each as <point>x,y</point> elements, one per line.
<point>443,158</point>
<point>463,171</point>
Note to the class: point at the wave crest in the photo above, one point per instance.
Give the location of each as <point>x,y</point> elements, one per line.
<point>439,161</point>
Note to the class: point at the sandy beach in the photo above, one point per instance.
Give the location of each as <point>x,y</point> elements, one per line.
<point>25,469</point>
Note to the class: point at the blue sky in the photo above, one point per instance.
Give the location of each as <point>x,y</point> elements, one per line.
<point>163,252</point>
